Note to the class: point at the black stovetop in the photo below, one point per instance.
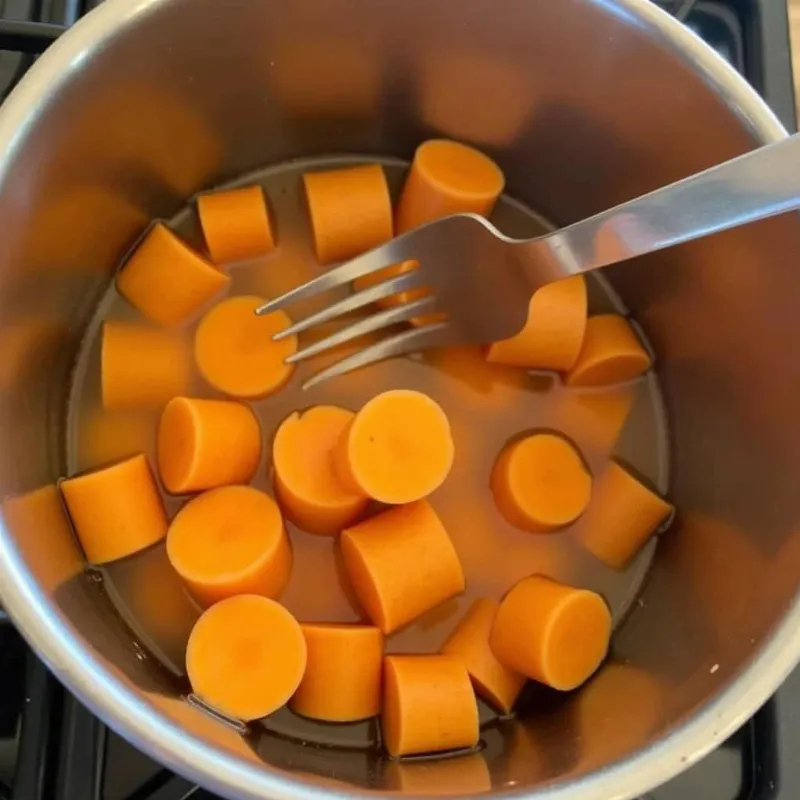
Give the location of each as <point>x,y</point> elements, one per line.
<point>51,748</point>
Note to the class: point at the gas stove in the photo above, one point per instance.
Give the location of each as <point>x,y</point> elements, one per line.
<point>52,748</point>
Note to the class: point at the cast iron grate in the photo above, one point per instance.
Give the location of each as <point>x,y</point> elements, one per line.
<point>753,35</point>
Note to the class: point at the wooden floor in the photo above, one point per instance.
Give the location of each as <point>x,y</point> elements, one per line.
<point>794,23</point>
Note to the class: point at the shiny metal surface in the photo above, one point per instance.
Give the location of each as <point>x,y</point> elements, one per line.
<point>584,104</point>
<point>484,306</point>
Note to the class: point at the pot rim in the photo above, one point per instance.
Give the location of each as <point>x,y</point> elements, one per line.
<point>112,698</point>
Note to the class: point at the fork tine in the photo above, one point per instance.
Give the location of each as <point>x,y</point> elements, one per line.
<point>346,273</point>
<point>374,322</point>
<point>403,283</point>
<point>435,334</point>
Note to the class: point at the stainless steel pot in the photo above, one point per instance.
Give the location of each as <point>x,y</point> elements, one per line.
<point>585,103</point>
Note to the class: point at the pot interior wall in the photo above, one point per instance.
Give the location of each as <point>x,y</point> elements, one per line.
<point>583,108</point>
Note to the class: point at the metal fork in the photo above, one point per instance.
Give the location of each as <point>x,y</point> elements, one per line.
<point>483,280</point>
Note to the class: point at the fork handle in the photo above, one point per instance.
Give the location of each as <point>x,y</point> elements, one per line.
<point>756,185</point>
